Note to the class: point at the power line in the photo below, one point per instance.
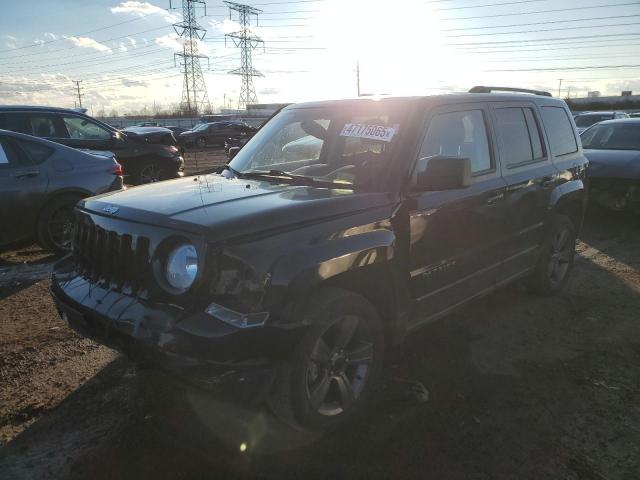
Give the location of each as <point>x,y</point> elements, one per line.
<point>48,52</point>
<point>466,7</point>
<point>543,30</point>
<point>579,37</point>
<point>562,69</point>
<point>78,34</point>
<point>542,23</point>
<point>540,11</point>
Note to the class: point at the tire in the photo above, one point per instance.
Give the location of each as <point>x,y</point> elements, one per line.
<point>149,172</point>
<point>323,385</point>
<point>201,142</point>
<point>556,258</point>
<point>54,227</point>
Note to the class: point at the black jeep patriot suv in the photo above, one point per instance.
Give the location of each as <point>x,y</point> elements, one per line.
<point>289,275</point>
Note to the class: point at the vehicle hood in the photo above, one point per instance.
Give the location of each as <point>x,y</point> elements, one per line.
<point>224,208</point>
<point>614,163</point>
<point>142,131</point>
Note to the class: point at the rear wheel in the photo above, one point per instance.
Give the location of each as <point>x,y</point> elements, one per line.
<point>55,224</point>
<point>556,259</point>
<point>335,365</point>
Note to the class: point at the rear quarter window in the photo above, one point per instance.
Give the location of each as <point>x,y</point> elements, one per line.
<point>560,131</point>
<point>15,122</point>
<point>36,153</point>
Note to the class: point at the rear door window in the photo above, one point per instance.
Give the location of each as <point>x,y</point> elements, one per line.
<point>36,152</point>
<point>9,155</point>
<point>559,130</point>
<point>81,128</point>
<point>518,129</point>
<point>15,122</point>
<point>42,126</point>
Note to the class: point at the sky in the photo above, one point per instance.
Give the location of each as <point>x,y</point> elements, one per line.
<point>123,51</point>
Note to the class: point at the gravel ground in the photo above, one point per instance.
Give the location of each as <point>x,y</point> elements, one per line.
<point>514,386</point>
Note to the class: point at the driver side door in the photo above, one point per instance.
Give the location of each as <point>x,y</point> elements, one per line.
<point>456,235</point>
<point>81,132</point>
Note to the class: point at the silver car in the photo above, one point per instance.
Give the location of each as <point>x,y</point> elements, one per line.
<point>40,183</point>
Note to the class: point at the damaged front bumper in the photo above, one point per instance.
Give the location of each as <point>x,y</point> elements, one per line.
<point>615,194</point>
<point>235,362</point>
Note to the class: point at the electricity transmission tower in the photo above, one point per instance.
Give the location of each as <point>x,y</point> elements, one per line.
<point>246,41</point>
<point>194,89</point>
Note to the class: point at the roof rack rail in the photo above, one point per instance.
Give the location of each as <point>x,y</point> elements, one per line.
<point>481,89</point>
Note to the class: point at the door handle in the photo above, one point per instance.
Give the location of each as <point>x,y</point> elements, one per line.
<point>494,198</point>
<point>25,174</point>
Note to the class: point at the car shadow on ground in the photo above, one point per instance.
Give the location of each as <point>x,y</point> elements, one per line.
<point>512,386</point>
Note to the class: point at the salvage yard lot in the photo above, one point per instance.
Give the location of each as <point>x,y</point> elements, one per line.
<point>515,386</point>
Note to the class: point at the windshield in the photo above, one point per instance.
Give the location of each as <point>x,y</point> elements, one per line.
<point>588,120</point>
<point>201,127</point>
<point>347,147</point>
<point>612,136</point>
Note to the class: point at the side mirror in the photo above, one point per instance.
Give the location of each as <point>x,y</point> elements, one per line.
<point>445,173</point>
<point>233,151</point>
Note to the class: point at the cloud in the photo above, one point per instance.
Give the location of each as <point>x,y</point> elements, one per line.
<point>142,9</point>
<point>86,42</point>
<point>226,26</point>
<point>11,43</point>
<point>132,41</point>
<point>269,91</point>
<point>50,36</point>
<point>134,83</point>
<point>170,40</point>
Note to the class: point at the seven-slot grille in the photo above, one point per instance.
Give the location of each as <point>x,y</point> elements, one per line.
<point>122,261</point>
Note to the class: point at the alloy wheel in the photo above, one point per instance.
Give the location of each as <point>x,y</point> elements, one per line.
<point>150,173</point>
<point>339,366</point>
<point>560,258</point>
<point>60,226</point>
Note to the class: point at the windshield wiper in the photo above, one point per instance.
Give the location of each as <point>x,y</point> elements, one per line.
<point>295,179</point>
<point>226,166</point>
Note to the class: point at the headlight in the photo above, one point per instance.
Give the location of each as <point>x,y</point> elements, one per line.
<point>182,267</point>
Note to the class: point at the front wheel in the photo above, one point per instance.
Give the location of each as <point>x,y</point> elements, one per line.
<point>149,172</point>
<point>335,365</point>
<point>556,259</point>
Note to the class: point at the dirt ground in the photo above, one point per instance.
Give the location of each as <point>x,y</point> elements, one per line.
<point>516,386</point>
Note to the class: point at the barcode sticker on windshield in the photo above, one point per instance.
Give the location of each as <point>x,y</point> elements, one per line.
<point>372,132</point>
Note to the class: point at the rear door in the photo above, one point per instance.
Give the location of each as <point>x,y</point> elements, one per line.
<point>531,177</point>
<point>23,185</point>
<point>81,132</point>
<point>455,235</point>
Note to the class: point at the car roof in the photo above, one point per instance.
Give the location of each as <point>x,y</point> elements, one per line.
<point>632,121</point>
<point>38,108</point>
<point>430,99</point>
<point>610,112</point>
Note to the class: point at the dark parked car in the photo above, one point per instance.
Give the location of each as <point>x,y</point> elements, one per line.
<point>40,183</point>
<point>177,130</point>
<point>143,159</point>
<point>585,120</point>
<point>286,279</point>
<point>215,133</point>
<point>613,150</point>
